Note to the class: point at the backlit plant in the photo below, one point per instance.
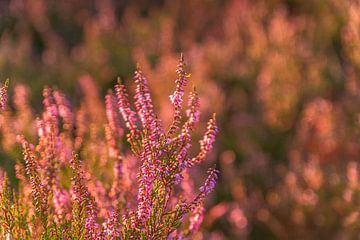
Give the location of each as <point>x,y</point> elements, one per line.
<point>79,179</point>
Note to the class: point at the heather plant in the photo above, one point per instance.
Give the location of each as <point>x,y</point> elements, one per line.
<point>80,180</point>
<point>283,76</point>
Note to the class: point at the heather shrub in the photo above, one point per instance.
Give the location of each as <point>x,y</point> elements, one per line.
<point>79,179</point>
<point>281,75</point>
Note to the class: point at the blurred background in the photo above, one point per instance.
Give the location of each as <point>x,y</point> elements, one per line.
<point>283,77</point>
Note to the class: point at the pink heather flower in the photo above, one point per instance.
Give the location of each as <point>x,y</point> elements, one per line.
<point>61,203</point>
<point>208,141</point>
<point>128,115</point>
<point>176,98</point>
<point>178,178</point>
<point>3,94</point>
<point>112,114</point>
<point>193,113</point>
<point>182,155</point>
<point>51,156</point>
<point>144,105</point>
<point>205,189</point>
<point>39,194</point>
<point>83,198</point>
<point>90,222</point>
<point>111,226</point>
<point>196,218</point>
<point>206,144</point>
<point>111,141</point>
<point>64,108</point>
<point>117,187</point>
<point>49,105</point>
<point>210,182</point>
<point>40,127</point>
<point>146,178</point>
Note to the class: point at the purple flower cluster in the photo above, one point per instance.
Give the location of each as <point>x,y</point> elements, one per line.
<point>177,97</point>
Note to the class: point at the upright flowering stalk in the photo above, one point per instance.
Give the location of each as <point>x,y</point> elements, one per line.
<point>196,219</point>
<point>112,114</point>
<point>146,179</point>
<point>117,191</point>
<point>84,201</point>
<point>177,97</point>
<point>206,144</point>
<point>184,138</point>
<point>206,188</point>
<point>113,130</point>
<point>38,190</point>
<point>193,113</point>
<point>151,124</point>
<point>127,113</point>
<point>64,110</point>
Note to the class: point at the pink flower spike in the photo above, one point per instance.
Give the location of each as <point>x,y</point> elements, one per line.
<point>145,108</point>
<point>193,112</point>
<point>112,114</point>
<point>210,182</point>
<point>176,98</point>
<point>206,144</point>
<point>127,113</point>
<point>64,108</point>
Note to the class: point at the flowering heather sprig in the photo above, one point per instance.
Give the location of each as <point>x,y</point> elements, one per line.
<point>176,98</point>
<point>145,108</point>
<point>196,219</point>
<point>146,178</point>
<point>50,156</point>
<point>183,140</point>
<point>117,188</point>
<point>127,113</point>
<point>39,192</point>
<point>206,144</point>
<point>193,112</point>
<point>64,109</point>
<point>205,189</point>
<point>50,108</point>
<point>112,114</point>
<point>61,203</point>
<point>83,198</point>
<point>210,182</point>
<point>111,227</point>
<point>3,94</point>
<point>113,130</point>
